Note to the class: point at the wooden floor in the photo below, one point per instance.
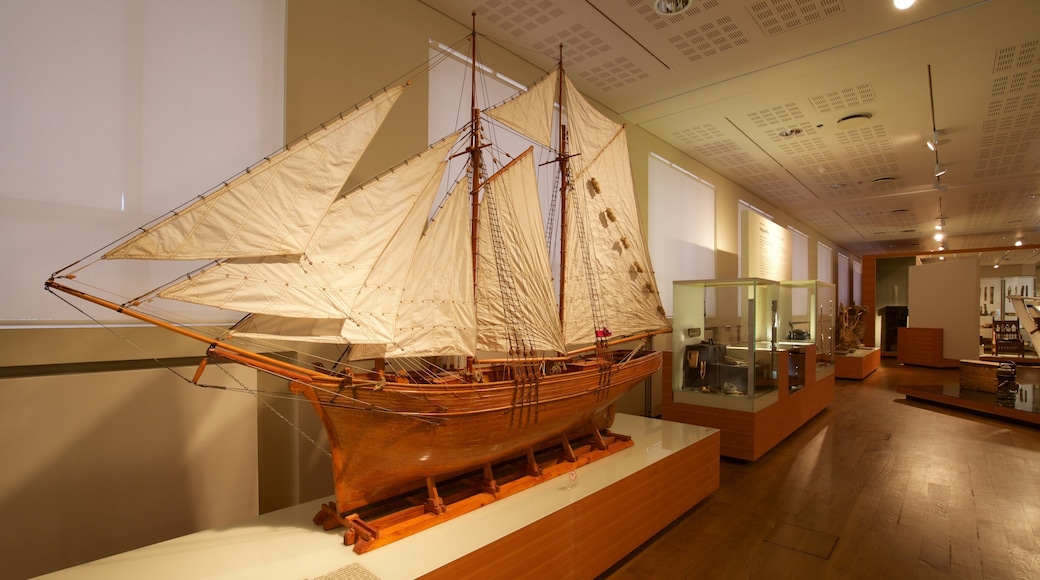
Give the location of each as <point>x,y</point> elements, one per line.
<point>874,487</point>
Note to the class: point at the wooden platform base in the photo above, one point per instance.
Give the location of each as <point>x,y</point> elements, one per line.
<point>588,536</point>
<point>749,434</point>
<point>384,522</point>
<point>1025,408</point>
<point>857,366</point>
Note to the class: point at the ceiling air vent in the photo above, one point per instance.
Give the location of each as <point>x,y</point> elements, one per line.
<point>853,121</point>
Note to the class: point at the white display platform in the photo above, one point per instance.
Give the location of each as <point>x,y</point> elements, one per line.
<point>286,544</point>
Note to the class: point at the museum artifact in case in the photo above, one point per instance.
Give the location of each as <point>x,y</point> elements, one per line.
<point>724,343</point>
<point>806,317</point>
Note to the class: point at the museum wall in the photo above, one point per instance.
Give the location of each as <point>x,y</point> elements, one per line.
<point>957,314</point>
<point>106,449</point>
<point>106,446</point>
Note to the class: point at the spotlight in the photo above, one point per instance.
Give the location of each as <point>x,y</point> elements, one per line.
<point>931,144</point>
<point>942,258</point>
<point>939,170</point>
<point>939,226</point>
<point>1018,242</point>
<point>938,236</point>
<point>903,4</point>
<point>942,247</point>
<point>995,266</point>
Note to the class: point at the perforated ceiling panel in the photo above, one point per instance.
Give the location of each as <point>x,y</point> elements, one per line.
<point>579,44</point>
<point>1012,123</point>
<point>776,115</point>
<point>519,16</point>
<point>613,74</point>
<point>845,98</point>
<point>869,151</point>
<point>708,39</point>
<point>778,16</point>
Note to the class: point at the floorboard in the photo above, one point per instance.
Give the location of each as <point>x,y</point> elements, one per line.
<point>876,486</point>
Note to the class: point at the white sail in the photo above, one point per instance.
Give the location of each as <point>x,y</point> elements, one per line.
<point>436,317</point>
<point>609,279</point>
<point>516,303</point>
<point>531,112</point>
<point>272,209</point>
<point>353,268</point>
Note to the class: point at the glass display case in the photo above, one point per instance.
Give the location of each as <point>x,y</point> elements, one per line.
<point>724,343</point>
<point>806,316</point>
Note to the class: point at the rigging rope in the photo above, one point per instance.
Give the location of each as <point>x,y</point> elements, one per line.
<point>165,366</point>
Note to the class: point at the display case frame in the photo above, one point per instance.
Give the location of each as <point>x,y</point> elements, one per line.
<point>724,343</point>
<point>806,316</point>
<point>772,409</point>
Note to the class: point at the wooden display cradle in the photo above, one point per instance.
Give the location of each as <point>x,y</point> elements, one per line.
<point>384,522</point>
<point>749,435</point>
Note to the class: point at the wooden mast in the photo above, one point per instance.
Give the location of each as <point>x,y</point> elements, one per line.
<point>474,159</point>
<point>563,189</point>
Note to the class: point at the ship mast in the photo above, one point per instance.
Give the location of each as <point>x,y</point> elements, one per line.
<point>562,158</point>
<point>474,150</point>
<point>474,160</point>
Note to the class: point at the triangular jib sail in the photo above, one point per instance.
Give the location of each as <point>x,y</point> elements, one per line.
<point>271,209</point>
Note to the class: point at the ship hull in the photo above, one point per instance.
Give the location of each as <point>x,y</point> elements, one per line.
<point>388,441</point>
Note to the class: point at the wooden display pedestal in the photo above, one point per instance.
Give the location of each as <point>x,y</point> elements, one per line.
<point>923,347</point>
<point>574,526</point>
<point>589,536</point>
<point>750,434</point>
<point>858,364</point>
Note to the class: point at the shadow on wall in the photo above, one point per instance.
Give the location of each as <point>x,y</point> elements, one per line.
<point>97,464</point>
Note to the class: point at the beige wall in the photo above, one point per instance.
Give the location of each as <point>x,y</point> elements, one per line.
<point>99,459</point>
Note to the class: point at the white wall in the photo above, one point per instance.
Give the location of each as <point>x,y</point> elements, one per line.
<point>115,111</point>
<point>946,295</point>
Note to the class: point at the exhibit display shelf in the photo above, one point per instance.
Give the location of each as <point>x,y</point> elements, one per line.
<point>565,526</point>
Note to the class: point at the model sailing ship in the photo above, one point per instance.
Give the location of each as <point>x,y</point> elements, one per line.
<point>470,356</point>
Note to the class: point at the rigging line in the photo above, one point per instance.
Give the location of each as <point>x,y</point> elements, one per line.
<point>506,276</point>
<point>184,378</point>
<point>578,203</point>
<point>256,395</point>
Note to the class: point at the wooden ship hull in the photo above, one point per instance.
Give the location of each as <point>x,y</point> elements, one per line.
<point>388,441</point>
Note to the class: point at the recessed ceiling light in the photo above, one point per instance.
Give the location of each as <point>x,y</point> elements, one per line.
<point>903,4</point>
<point>670,7</point>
